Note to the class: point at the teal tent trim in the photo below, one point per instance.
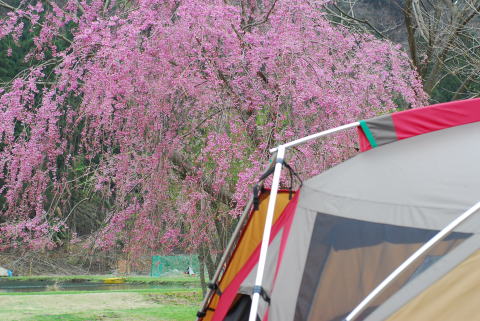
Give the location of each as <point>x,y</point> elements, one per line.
<point>368,134</point>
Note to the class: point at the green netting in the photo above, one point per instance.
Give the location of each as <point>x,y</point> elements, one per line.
<point>173,264</point>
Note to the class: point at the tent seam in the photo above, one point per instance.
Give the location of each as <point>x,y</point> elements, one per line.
<point>376,202</point>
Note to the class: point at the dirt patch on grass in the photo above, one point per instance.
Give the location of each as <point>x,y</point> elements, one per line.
<point>180,298</point>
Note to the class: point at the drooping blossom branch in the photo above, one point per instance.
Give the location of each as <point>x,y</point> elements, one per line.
<point>171,106</point>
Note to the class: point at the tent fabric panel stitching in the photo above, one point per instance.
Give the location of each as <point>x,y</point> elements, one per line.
<point>400,215</point>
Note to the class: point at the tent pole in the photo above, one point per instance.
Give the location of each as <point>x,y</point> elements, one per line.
<point>268,224</point>
<point>408,262</point>
<point>280,150</point>
<point>266,232</point>
<point>313,136</point>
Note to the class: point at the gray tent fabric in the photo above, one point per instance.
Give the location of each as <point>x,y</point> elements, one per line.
<point>355,257</point>
<point>358,221</point>
<point>427,278</point>
<point>424,181</point>
<point>384,204</point>
<point>287,286</point>
<point>270,265</point>
<point>330,268</point>
<point>382,129</point>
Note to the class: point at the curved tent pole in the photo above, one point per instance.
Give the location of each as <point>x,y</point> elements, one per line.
<point>271,206</point>
<point>280,150</point>
<point>317,135</point>
<point>360,308</point>
<point>412,259</point>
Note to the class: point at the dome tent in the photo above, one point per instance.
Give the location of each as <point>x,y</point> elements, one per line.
<point>337,238</point>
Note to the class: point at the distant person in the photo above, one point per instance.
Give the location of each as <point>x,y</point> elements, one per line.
<point>189,271</point>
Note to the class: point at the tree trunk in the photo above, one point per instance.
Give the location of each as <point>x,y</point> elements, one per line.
<point>210,264</point>
<point>412,45</point>
<point>203,284</point>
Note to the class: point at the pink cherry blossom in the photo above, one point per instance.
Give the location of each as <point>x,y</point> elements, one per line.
<point>215,82</point>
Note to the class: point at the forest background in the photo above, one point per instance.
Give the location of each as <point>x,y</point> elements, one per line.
<point>131,128</point>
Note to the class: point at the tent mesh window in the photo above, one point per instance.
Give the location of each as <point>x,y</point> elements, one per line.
<point>348,258</point>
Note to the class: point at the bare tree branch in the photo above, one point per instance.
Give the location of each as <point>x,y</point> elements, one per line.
<point>6,5</point>
<point>344,14</point>
<point>264,20</point>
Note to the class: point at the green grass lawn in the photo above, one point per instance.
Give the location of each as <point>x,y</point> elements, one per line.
<point>179,302</point>
<point>166,313</point>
